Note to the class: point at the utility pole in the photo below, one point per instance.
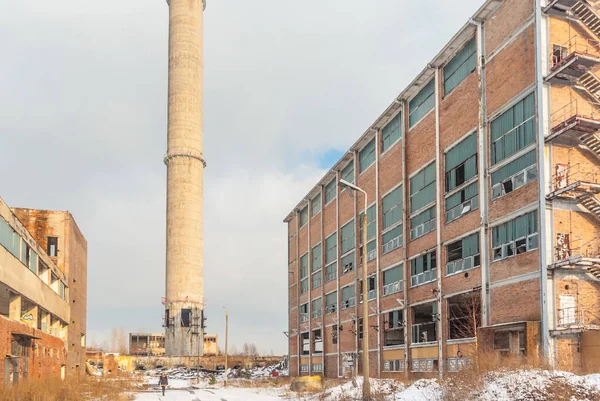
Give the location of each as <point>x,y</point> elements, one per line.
<point>365,293</point>
<point>226,343</point>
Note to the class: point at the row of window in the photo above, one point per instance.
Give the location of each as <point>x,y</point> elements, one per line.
<point>21,250</point>
<point>511,238</point>
<point>463,317</point>
<point>417,365</point>
<point>511,132</point>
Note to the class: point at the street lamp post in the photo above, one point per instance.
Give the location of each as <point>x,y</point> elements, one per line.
<point>366,384</point>
<point>226,343</point>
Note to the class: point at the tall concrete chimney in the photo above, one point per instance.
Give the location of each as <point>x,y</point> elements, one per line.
<point>185,165</point>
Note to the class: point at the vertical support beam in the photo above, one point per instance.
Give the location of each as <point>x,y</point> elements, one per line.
<point>483,178</point>
<point>14,308</point>
<point>438,201</point>
<point>298,280</point>
<point>540,41</point>
<point>323,279</point>
<point>337,273</point>
<point>310,268</point>
<point>378,285</point>
<point>356,261</point>
<point>405,230</point>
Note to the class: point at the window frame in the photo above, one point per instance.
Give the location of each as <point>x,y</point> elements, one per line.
<point>319,208</point>
<point>420,278</point>
<point>370,154</point>
<point>472,57</point>
<point>411,110</point>
<point>397,119</point>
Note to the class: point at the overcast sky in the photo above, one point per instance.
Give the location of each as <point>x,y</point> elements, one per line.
<point>289,85</point>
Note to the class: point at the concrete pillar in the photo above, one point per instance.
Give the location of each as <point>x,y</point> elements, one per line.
<point>185,166</point>
<point>14,308</point>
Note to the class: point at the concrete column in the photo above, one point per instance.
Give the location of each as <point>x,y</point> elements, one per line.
<point>14,309</point>
<point>185,166</point>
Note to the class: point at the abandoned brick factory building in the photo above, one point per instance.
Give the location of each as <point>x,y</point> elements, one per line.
<point>153,344</point>
<point>43,295</point>
<point>483,219</point>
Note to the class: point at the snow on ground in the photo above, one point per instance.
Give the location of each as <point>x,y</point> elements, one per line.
<point>531,385</point>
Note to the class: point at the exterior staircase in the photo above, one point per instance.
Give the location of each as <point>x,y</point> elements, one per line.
<point>591,84</point>
<point>591,203</point>
<point>592,142</point>
<point>587,13</point>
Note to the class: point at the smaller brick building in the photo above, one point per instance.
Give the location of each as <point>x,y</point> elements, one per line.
<point>43,295</point>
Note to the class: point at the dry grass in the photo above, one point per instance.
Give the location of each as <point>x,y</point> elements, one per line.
<point>264,382</point>
<point>462,385</point>
<point>86,389</point>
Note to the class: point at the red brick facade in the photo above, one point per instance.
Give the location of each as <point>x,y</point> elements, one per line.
<point>514,275</point>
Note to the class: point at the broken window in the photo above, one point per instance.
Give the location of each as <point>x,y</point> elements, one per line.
<point>53,246</point>
<point>559,53</point>
<point>304,313</point>
<point>348,297</point>
<point>464,316</point>
<point>424,327</point>
<point>371,289</point>
<point>186,317</point>
<point>331,302</point>
<point>394,328</point>
<point>515,236</point>
<point>423,269</point>
<point>305,343</point>
<point>460,163</point>
<point>317,342</point>
<point>514,175</point>
<point>462,202</point>
<point>348,263</point>
<point>334,334</point>
<point>502,342</point>
<point>463,254</point>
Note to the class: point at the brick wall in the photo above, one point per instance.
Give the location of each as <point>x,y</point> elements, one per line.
<point>45,359</point>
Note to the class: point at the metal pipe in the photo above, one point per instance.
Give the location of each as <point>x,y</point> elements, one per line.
<point>438,200</point>
<point>365,311</point>
<point>541,178</point>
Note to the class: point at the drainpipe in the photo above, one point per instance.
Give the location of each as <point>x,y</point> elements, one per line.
<point>377,247</point>
<point>438,209</point>
<point>310,267</point>
<point>356,259</point>
<point>337,273</point>
<point>298,280</point>
<point>405,222</point>
<point>323,350</point>
<point>483,178</point>
<point>541,115</point>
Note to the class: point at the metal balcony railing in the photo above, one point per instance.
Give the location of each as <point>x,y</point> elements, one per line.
<point>575,108</point>
<point>578,247</point>
<point>566,176</point>
<point>571,317</point>
<point>576,45</point>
